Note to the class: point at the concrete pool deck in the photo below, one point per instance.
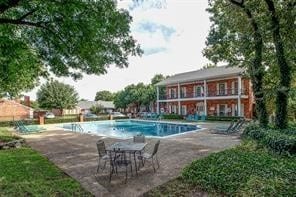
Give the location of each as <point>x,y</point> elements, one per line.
<point>76,154</point>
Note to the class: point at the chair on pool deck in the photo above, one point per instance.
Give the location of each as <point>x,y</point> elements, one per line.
<point>118,158</point>
<point>27,129</point>
<point>102,155</point>
<point>153,156</point>
<point>139,138</point>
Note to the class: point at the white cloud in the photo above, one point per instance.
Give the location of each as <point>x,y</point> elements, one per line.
<point>170,53</point>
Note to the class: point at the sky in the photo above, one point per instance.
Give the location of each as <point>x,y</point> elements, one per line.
<point>172,34</point>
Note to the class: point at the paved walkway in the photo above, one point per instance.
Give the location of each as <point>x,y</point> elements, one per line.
<point>76,154</point>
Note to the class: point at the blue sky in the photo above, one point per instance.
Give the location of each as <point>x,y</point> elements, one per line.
<point>172,34</point>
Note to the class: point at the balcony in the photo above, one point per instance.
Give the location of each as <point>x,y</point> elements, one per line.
<point>216,93</point>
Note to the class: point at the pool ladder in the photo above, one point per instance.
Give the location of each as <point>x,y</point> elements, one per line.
<point>76,127</point>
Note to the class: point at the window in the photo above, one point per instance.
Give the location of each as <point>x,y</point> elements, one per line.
<point>183,92</point>
<point>198,91</point>
<point>173,109</point>
<point>184,110</point>
<point>222,89</point>
<point>172,93</point>
<point>222,110</point>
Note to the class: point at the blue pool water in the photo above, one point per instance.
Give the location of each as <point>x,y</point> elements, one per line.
<point>129,128</point>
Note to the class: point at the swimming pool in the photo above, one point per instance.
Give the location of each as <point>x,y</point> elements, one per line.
<point>129,128</point>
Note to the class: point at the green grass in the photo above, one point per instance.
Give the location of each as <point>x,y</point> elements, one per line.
<point>24,172</point>
<point>6,136</point>
<point>247,170</point>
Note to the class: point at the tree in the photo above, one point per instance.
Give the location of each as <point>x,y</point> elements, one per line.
<point>104,95</point>
<point>158,78</point>
<point>66,38</point>
<point>235,37</point>
<point>264,43</point>
<point>57,95</point>
<point>96,109</point>
<point>285,73</point>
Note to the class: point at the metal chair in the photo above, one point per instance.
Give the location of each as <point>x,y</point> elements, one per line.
<point>139,138</point>
<point>102,154</point>
<point>145,156</point>
<point>118,158</point>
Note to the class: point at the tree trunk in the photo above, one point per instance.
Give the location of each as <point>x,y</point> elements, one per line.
<point>282,95</point>
<point>256,70</point>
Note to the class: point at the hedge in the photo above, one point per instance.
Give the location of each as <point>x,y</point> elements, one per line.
<point>172,116</point>
<point>279,141</point>
<point>58,120</point>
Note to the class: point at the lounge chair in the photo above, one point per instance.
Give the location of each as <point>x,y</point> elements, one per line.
<point>226,129</point>
<point>238,126</point>
<point>153,156</point>
<point>190,117</point>
<point>27,129</point>
<point>203,117</point>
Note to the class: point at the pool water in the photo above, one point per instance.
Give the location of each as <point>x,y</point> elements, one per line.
<point>129,128</point>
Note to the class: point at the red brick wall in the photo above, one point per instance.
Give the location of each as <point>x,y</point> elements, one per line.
<point>11,110</point>
<point>212,87</point>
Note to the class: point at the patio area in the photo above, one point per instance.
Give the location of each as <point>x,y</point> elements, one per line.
<point>76,155</point>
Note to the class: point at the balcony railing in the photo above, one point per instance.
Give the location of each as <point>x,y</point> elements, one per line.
<point>216,93</point>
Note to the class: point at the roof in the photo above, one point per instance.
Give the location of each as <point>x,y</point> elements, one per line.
<point>15,103</point>
<point>89,104</point>
<point>202,74</point>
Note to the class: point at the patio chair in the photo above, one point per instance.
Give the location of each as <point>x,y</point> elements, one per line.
<point>203,117</point>
<point>139,138</point>
<point>119,159</point>
<point>102,155</point>
<point>145,156</point>
<point>226,129</point>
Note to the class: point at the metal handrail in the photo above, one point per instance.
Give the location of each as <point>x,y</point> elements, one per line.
<point>75,126</point>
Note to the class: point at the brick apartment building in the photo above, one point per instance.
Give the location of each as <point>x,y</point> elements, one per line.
<point>219,91</point>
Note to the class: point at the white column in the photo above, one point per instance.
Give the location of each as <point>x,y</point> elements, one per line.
<point>205,98</point>
<point>239,95</point>
<point>179,102</point>
<point>157,100</point>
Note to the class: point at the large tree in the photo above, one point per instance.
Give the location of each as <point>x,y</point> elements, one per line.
<point>235,37</point>
<point>57,95</point>
<point>67,38</point>
<point>259,35</point>
<point>285,72</point>
<point>104,95</point>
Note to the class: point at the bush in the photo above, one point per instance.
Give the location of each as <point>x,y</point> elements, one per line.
<point>240,171</point>
<point>172,116</point>
<point>11,123</point>
<point>279,141</point>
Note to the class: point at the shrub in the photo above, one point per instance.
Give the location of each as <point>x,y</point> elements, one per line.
<point>172,116</point>
<point>239,172</point>
<point>279,141</point>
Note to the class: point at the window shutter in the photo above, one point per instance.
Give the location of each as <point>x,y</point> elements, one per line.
<point>218,110</point>
<point>232,88</point>
<point>225,90</point>
<point>217,88</point>
<point>242,88</point>
<point>194,91</point>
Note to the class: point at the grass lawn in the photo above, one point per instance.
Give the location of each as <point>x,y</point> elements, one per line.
<point>6,136</point>
<point>247,170</point>
<point>24,172</point>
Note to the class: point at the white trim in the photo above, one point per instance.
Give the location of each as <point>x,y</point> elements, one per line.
<point>207,98</point>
